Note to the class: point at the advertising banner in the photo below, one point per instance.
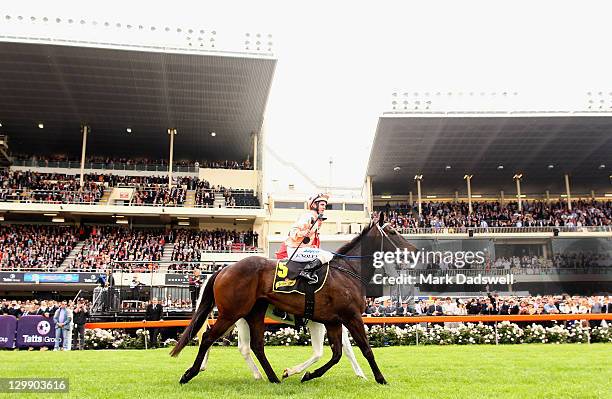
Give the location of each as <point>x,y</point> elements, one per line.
<point>63,278</point>
<point>11,277</point>
<point>8,325</point>
<point>35,331</point>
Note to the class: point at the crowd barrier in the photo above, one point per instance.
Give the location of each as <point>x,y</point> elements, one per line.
<point>379,320</point>
<point>38,331</point>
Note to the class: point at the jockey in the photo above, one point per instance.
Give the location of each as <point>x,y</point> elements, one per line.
<point>305,231</point>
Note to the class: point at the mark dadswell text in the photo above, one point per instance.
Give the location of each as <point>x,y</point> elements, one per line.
<point>457,279</point>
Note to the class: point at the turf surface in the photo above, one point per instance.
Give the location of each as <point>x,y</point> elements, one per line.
<point>521,371</point>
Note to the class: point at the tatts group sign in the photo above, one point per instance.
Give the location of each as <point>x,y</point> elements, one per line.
<point>35,331</point>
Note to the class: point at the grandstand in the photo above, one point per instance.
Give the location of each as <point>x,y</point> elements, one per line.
<point>136,158</point>
<point>529,190</point>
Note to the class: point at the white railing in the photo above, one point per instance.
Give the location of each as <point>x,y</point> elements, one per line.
<point>493,230</point>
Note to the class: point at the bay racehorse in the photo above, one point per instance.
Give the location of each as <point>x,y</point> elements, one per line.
<point>244,290</point>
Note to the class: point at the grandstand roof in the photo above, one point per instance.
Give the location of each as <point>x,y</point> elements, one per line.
<point>478,144</point>
<point>146,90</point>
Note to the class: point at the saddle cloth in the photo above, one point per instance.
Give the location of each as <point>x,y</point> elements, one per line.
<point>287,281</point>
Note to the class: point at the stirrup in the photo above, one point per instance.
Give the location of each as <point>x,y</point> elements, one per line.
<point>312,278</point>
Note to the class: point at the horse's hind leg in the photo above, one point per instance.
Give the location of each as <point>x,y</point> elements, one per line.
<point>256,324</point>
<point>347,349</point>
<point>334,336</point>
<point>355,327</point>
<point>209,337</point>
<point>244,346</point>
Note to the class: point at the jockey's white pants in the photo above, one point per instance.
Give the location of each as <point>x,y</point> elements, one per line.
<point>306,254</point>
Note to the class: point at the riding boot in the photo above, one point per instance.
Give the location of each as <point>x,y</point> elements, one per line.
<point>309,271</point>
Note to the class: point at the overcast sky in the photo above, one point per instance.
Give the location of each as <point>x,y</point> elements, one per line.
<point>339,61</point>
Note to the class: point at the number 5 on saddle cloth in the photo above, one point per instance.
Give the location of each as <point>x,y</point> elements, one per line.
<point>286,281</point>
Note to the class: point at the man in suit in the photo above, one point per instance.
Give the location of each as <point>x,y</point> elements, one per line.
<point>154,313</point>
<point>435,309</point>
<point>80,316</point>
<point>62,318</point>
<point>135,288</point>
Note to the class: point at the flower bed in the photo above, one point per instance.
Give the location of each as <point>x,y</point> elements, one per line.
<point>390,335</point>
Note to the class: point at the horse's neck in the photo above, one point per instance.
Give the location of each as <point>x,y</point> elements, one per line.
<point>360,262</point>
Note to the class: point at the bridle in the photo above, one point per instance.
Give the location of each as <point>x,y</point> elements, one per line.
<point>351,273</point>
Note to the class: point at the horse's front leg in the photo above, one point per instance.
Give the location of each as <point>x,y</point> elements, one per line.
<point>317,337</point>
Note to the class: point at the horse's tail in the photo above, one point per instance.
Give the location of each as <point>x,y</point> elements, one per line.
<point>199,317</point>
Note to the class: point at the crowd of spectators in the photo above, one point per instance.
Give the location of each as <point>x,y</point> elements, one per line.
<point>492,214</point>
<point>189,244</point>
<point>49,187</point>
<point>106,244</point>
<point>148,190</point>
<point>31,247</point>
<point>159,195</point>
<point>492,304</point>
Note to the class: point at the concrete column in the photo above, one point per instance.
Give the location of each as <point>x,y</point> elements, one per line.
<point>468,179</point>
<point>456,196</point>
<point>369,199</point>
<point>172,133</point>
<point>418,179</point>
<point>501,198</point>
<point>410,199</point>
<point>255,155</point>
<point>517,178</point>
<point>568,193</point>
<point>593,195</point>
<point>547,196</point>
<point>83,151</point>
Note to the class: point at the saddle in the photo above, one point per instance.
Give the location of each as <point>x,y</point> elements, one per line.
<point>287,280</point>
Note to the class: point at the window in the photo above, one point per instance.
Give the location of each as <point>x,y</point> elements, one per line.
<point>353,207</point>
<point>288,205</point>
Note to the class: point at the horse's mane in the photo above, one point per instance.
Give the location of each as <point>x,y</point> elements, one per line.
<point>351,244</point>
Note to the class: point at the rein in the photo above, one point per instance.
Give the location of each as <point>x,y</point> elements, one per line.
<point>350,273</point>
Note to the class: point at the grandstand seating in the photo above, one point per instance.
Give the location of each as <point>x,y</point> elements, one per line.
<point>30,247</point>
<point>149,190</point>
<point>492,214</point>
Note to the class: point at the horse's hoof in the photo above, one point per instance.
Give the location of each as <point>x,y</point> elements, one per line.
<point>285,374</point>
<point>187,376</point>
<point>306,376</point>
<point>381,380</point>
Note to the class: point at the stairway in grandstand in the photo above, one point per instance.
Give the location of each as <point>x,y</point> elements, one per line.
<point>77,248</point>
<point>190,199</point>
<point>166,257</point>
<point>219,200</point>
<point>106,196</point>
